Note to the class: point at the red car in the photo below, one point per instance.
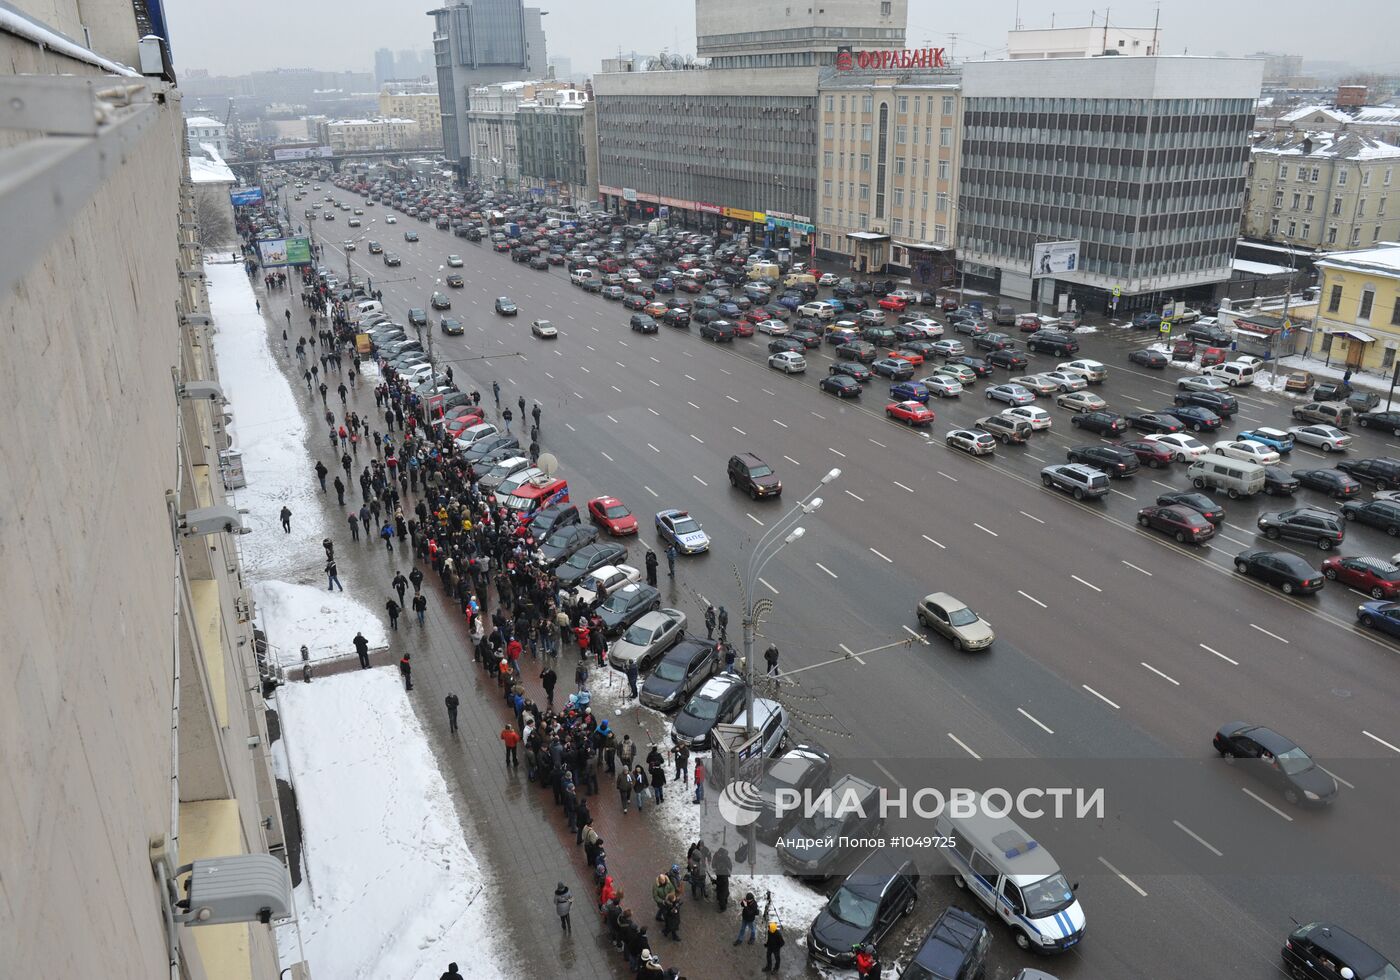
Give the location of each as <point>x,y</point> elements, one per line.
<point>1027,323</point>
<point>910,413</point>
<point>757,315</point>
<point>612,515</point>
<point>893,303</point>
<point>1376,577</point>
<point>743,327</point>
<point>912,357</point>
<point>1177,521</point>
<point>1150,454</point>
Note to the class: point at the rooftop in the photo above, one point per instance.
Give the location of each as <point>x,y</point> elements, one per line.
<point>1339,145</point>
<point>203,122</point>
<point>210,168</point>
<point>1382,259</point>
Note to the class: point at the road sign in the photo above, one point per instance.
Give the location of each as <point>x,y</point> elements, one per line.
<point>1117,291</point>
<point>1166,326</point>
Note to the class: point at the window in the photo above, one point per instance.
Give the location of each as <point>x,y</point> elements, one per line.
<point>1315,174</point>
<point>826,216</point>
<point>831,103</point>
<point>942,203</point>
<point>1365,178</point>
<point>940,235</point>
<point>885,8</point>
<point>1309,206</point>
<point>865,163</point>
<point>1356,236</point>
<point>829,131</point>
<point>1273,227</point>
<point>1278,199</point>
<point>948,111</point>
<point>1376,235</point>
<point>923,199</point>
<point>1307,230</point>
<point>826,240</point>
<point>901,134</point>
<point>899,167</point>
<point>827,159</point>
<point>898,223</point>
<point>1387,176</point>
<point>1361,208</point>
<point>1282,167</point>
<point>867,103</point>
<point>865,133</point>
<point>1388,359</point>
<point>1368,299</point>
<point>1380,209</point>
<point>1336,206</point>
<point>1332,235</point>
<point>1297,201</point>
<point>899,197</point>
<point>902,104</point>
<point>1342,177</point>
<point>1395,313</point>
<point>826,188</point>
<point>864,221</point>
<point>945,136</point>
<point>1292,229</point>
<point>983,868</point>
<point>943,169</point>
<point>865,192</point>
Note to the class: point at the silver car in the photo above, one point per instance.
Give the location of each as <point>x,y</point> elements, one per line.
<point>952,618</point>
<point>647,639</point>
<point>1324,437</point>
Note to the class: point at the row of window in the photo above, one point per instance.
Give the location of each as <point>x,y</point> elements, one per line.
<point>1116,107</point>
<point>867,104</point>
<point>1363,306</point>
<point>1018,132</point>
<point>1332,238</point>
<point>983,158</point>
<point>1120,265</point>
<point>833,131</point>
<point>1311,174</point>
<point>1337,203</point>
<point>1069,223</point>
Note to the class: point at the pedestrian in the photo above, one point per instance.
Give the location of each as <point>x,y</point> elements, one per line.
<point>362,650</point>
<point>451,973</point>
<point>639,786</point>
<point>406,669</point>
<point>748,915</point>
<point>535,414</point>
<point>723,867</point>
<point>563,904</point>
<point>657,777</point>
<point>452,703</point>
<point>521,402</point>
<point>723,624</point>
<point>496,393</point>
<point>770,657</point>
<point>671,554</point>
<point>393,609</point>
<point>624,787</point>
<point>286,516</point>
<point>387,533</point>
<point>548,678</point>
<point>506,417</point>
<point>420,607</point>
<point>511,738</point>
<point>400,584</point>
<point>671,918</point>
<point>416,577</point>
<point>321,472</point>
<point>699,781</point>
<point>329,545</point>
<point>332,578</point>
<point>632,678</point>
<point>340,490</point>
<point>581,676</point>
<point>773,948</point>
<point>354,528</point>
<point>661,893</point>
<point>651,567</point>
<point>709,622</point>
<point>680,755</point>
<point>697,870</point>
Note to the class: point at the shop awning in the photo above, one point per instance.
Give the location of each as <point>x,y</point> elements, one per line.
<point>870,237</point>
<point>1360,335</point>
<point>1251,334</point>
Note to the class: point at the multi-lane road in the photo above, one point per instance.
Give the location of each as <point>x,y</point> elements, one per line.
<point>1115,646</point>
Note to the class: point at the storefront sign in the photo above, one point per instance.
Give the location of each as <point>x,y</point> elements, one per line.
<point>704,208</point>
<point>795,223</point>
<point>739,214</point>
<point>848,60</point>
<point>629,194</point>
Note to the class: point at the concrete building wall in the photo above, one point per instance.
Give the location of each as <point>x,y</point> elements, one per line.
<point>733,27</point>
<point>1082,42</point>
<point>1303,199</point>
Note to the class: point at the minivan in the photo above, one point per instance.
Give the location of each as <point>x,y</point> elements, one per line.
<point>1328,413</point>
<point>753,476</point>
<point>1235,374</point>
<point>1237,477</point>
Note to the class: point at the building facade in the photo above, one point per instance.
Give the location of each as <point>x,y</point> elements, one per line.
<point>553,146</point>
<point>1082,42</point>
<point>888,166</point>
<point>491,126</point>
<point>135,739</point>
<point>536,55</point>
<point>417,101</point>
<point>776,34</point>
<point>384,66</point>
<point>350,135</point>
<point>1142,160</point>
<point>202,129</point>
<point>1358,314</point>
<point>1323,191</point>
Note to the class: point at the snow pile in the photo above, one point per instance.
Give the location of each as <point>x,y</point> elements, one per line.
<point>1086,329</point>
<point>391,889</point>
<point>324,621</point>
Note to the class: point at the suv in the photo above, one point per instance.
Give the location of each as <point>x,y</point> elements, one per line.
<point>1077,479</point>
<point>1320,527</point>
<point>1008,430</point>
<point>720,331</point>
<point>685,667</point>
<point>1104,423</point>
<point>1219,402</point>
<point>753,476</point>
<point>824,836</point>
<point>1052,342</point>
<point>720,700</point>
<point>1384,472</point>
<point>1113,460</point>
<point>1206,333</point>
<point>954,949</point>
<point>1383,514</point>
<point>877,894</point>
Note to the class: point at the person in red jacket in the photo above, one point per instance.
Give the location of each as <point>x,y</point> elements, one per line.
<point>512,738</point>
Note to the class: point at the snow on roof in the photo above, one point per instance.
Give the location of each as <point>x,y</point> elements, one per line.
<point>1260,268</point>
<point>1383,259</point>
<point>1326,110</point>
<point>1339,145</point>
<point>1377,115</point>
<point>203,122</point>
<point>210,168</point>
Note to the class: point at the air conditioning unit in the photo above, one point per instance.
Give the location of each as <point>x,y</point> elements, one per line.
<point>238,888</point>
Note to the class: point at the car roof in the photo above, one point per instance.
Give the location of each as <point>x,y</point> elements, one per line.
<point>945,600</point>
<point>876,873</point>
<point>1363,959</point>
<point>716,686</point>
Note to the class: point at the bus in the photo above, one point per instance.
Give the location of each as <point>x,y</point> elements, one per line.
<point>532,497</point>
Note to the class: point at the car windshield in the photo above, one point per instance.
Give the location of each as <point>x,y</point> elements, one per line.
<point>638,636</point>
<point>1295,761</point>
<point>853,909</point>
<point>706,709</point>
<point>762,469</point>
<point>962,617</point>
<point>617,602</point>
<point>686,525</point>
<point>669,670</point>
<point>1048,896</point>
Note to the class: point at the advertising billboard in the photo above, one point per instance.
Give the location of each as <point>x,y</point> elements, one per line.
<point>275,252</point>
<point>300,152</point>
<point>241,196</point>
<point>1054,258</point>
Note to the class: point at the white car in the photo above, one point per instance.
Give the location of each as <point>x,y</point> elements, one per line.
<point>613,577</point>
<point>1081,401</point>
<point>788,362</point>
<point>543,329</point>
<point>389,219</point>
<point>1039,418</point>
<point>949,348</point>
<point>942,386</point>
<point>1184,448</point>
<point>1036,383</point>
<point>774,327</point>
<point>455,261</point>
<point>907,295</point>
<point>1324,437</point>
<point>1250,359</point>
<point>1202,383</point>
<point>1064,381</point>
<point>975,442</point>
<point>348,245</point>
<point>931,329</point>
<point>1091,371</point>
<point>828,279</point>
<point>821,311</point>
<point>1247,449</point>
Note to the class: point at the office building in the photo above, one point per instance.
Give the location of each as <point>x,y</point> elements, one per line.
<point>1280,68</point>
<point>1358,314</point>
<point>417,101</point>
<point>351,135</point>
<point>135,740</point>
<point>555,133</point>
<point>203,129</point>
<point>1142,160</point>
<point>384,66</point>
<point>536,55</point>
<point>1082,42</point>
<point>1323,191</point>
<point>561,68</point>
<point>476,43</point>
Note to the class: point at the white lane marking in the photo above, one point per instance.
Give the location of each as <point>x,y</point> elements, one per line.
<point>837,452</point>
<point>1137,569</point>
<point>697,438</point>
<point>1255,626</point>
<point>964,746</point>
<point>607,457</point>
<point>595,330</point>
<point>698,480</point>
<point>1197,838</point>
<point>1233,663</point>
<point>902,486</point>
<point>584,369</point>
<point>1130,397</point>
<point>880,444</point>
<point>570,427</point>
<point>651,491</point>
<point>610,419</point>
<point>732,398</point>
<point>770,587</point>
<point>651,382</point>
<point>624,344</point>
<point>933,542</point>
<point>620,364</point>
<point>1234,540</point>
<point>825,569</point>
<point>1336,777</point>
<point>654,411</point>
<point>767,392</point>
<point>855,495</point>
<point>615,388</point>
<point>655,360</point>
<point>1164,677</point>
<point>1236,527</point>
<point>687,353</point>
<point>1164,486</point>
<point>549,376</point>
<point>1123,878</point>
<point>946,476</point>
<point>558,352</point>
<point>754,519</point>
<point>1100,697</point>
<point>1033,599</point>
<point>876,553</point>
<point>1377,738</point>
<point>1259,799</point>
<point>783,424</point>
<point>850,653</point>
<point>589,346</point>
<point>792,461</point>
<point>694,406</point>
<point>1032,517</point>
<point>1122,494</point>
<point>723,371</point>
<point>889,774</point>
<point>987,529</point>
<point>1083,582</point>
<point>653,448</point>
<point>822,417</point>
<point>1047,728</point>
<point>689,378</point>
<point>738,430</point>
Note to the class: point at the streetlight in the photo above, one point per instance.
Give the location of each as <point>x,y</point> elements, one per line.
<point>782,534</point>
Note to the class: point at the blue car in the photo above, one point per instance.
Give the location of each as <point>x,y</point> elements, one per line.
<point>1275,439</point>
<point>790,302</point>
<point>910,391</point>
<point>1383,616</point>
<point>836,305</point>
<point>664,285</point>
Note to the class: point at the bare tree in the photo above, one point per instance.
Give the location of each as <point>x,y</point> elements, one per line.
<point>214,215</point>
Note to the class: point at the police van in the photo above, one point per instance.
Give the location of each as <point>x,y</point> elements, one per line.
<point>1014,877</point>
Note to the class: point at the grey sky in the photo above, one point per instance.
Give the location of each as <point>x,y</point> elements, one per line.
<point>252,35</point>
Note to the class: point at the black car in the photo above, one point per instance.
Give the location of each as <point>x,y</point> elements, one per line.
<point>1219,402</point>
<point>927,349</point>
<point>1383,472</point>
<point>1282,568</point>
<point>1276,760</point>
<point>1198,502</point>
<point>822,842</point>
<point>1322,528</point>
<point>505,306</point>
<point>1113,460</point>
<point>779,345</point>
<point>1052,342</point>
<point>872,899</point>
<point>1380,420</point>
<point>1153,359</point>
<point>840,385</point>
<point>976,365</point>
<point>1321,951</point>
<point>642,323</point>
<point>801,769</point>
<point>893,368</point>
<point>719,701</point>
<point>857,350</point>
<point>439,301</point>
<point>451,326</point>
<point>992,341</point>
<point>1008,358</point>
<point>634,302</point>
<point>587,559</point>
<point>1382,514</point>
<point>851,369</point>
<point>418,317</point>
<point>753,476</point>
<point>1153,422</point>
<point>1195,417</point>
<point>626,605</point>
<point>1104,423</point>
<point>565,541</point>
<point>481,450</point>
<point>809,339</point>
<point>1333,482</point>
<point>954,949</point>
<point>539,263</point>
<point>676,317</point>
<point>1205,333</point>
<point>591,285</point>
<point>410,236</point>
<point>720,331</point>
<point>681,672</point>
<point>551,518</point>
<point>1278,481</point>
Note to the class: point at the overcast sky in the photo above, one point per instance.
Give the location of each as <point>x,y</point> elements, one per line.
<point>233,38</point>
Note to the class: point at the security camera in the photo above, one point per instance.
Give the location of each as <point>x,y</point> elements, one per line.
<point>202,388</point>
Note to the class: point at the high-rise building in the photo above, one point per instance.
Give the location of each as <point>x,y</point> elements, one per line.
<point>562,67</point>
<point>536,56</point>
<point>417,101</point>
<point>383,66</point>
<point>476,43</point>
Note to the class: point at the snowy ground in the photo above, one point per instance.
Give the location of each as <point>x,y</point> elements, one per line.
<point>324,621</point>
<point>391,889</point>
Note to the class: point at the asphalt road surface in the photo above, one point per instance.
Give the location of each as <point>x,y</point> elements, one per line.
<point>1113,644</point>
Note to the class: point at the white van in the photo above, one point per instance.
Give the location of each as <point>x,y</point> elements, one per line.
<point>821,311</point>
<point>474,434</point>
<point>366,307</point>
<point>1235,374</point>
<point>1237,477</point>
<point>1012,875</point>
<point>580,276</point>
